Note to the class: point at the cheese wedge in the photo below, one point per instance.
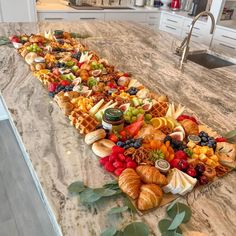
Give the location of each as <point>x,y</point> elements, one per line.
<point>178,183</point>
<point>171,182</point>
<point>187,186</point>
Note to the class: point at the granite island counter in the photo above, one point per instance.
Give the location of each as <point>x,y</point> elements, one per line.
<point>59,154</point>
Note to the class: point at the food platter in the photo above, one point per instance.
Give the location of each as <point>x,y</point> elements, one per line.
<point>154,148</point>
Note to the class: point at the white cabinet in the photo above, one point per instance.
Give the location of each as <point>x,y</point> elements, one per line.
<point>224,41</point>
<point>18,10</point>
<point>153,20</point>
<point>3,113</point>
<point>70,16</point>
<point>171,23</point>
<point>200,34</point>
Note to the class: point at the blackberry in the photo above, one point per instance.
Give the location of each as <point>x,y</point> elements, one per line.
<point>167,138</point>
<point>132,91</point>
<point>76,55</point>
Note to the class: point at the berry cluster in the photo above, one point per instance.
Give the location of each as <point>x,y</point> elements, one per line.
<point>116,162</point>
<point>175,144</point>
<point>136,143</point>
<point>206,140</point>
<point>132,91</point>
<point>60,88</point>
<point>76,55</point>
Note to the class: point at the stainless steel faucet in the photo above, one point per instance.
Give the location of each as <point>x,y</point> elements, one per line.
<point>183,49</point>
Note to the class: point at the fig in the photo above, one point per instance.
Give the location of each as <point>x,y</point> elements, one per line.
<point>124,107</point>
<point>147,107</point>
<point>179,136</point>
<point>179,128</point>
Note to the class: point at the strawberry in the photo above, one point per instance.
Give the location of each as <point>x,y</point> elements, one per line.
<point>113,157</point>
<point>14,39</point>
<point>113,138</point>
<point>64,82</point>
<point>104,160</point>
<point>118,171</point>
<point>220,139</point>
<point>175,163</point>
<point>52,87</point>
<point>126,75</point>
<point>79,64</point>
<point>131,164</point>
<point>121,157</point>
<point>109,167</point>
<point>118,164</point>
<point>117,149</point>
<point>181,155</point>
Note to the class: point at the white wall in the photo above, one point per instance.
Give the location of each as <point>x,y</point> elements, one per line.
<point>18,10</point>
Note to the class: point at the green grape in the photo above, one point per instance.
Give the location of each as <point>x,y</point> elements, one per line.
<point>135,112</point>
<point>141,111</point>
<point>148,117</point>
<point>133,119</point>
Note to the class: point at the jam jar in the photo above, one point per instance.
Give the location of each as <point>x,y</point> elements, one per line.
<point>113,120</point>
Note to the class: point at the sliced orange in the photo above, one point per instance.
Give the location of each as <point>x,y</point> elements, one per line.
<point>170,123</point>
<point>164,121</point>
<point>156,122</point>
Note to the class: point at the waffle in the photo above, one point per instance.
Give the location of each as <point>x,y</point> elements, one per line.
<point>159,109</point>
<point>83,121</point>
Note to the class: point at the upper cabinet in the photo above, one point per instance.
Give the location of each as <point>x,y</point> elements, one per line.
<point>18,10</point>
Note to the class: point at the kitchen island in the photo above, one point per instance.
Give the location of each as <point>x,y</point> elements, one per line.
<point>59,154</point>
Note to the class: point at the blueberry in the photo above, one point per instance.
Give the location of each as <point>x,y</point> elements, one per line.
<point>204,139</point>
<point>51,94</point>
<point>132,140</point>
<point>127,142</point>
<point>203,144</point>
<point>132,145</point>
<point>120,144</point>
<point>211,138</point>
<point>137,145</point>
<point>126,147</point>
<point>210,145</point>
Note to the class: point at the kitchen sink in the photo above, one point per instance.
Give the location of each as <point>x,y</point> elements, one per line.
<point>208,60</point>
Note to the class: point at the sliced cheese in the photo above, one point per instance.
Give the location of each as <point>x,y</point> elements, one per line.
<point>187,186</point>
<point>178,183</point>
<point>171,182</point>
<point>190,179</point>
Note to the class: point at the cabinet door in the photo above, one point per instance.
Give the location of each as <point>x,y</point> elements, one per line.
<point>58,16</point>
<point>18,10</point>
<point>153,18</point>
<point>223,48</point>
<point>129,16</point>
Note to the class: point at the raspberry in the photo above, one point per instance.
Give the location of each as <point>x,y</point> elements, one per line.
<point>128,159</point>
<point>104,160</point>
<point>109,167</point>
<point>118,171</point>
<point>52,87</point>
<point>121,157</point>
<point>131,164</point>
<point>113,157</point>
<point>64,82</point>
<point>221,139</point>
<point>117,149</point>
<point>118,164</point>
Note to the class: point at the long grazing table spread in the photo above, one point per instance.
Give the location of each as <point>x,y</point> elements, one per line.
<point>58,152</point>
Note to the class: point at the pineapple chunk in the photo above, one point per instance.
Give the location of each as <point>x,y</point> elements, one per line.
<point>210,162</point>
<point>203,157</point>
<point>195,156</point>
<point>204,150</point>
<point>210,152</point>
<point>191,144</point>
<point>214,158</point>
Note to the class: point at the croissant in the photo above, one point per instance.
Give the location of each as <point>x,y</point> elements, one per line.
<point>190,127</point>
<point>151,175</point>
<point>130,183</point>
<point>150,197</point>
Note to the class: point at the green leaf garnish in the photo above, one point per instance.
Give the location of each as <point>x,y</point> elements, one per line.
<point>104,192</point>
<point>76,187</point>
<point>109,232</point>
<point>116,210</point>
<point>89,196</point>
<point>136,229</point>
<point>177,221</point>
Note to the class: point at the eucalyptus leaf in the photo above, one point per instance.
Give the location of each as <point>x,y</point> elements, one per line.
<point>116,210</point>
<point>136,229</point>
<point>110,184</point>
<point>119,233</point>
<point>89,196</point>
<point>104,192</point>
<point>177,221</point>
<point>109,232</point>
<point>164,224</point>
<point>231,134</point>
<point>178,208</point>
<point>76,187</point>
<point>171,205</point>
<point>129,204</point>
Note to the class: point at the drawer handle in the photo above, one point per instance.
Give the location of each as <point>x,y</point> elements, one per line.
<point>227,37</point>
<point>170,27</point>
<point>53,18</point>
<point>172,20</point>
<point>227,46</point>
<point>87,18</point>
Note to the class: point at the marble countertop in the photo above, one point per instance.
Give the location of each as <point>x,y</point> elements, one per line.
<point>59,154</point>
